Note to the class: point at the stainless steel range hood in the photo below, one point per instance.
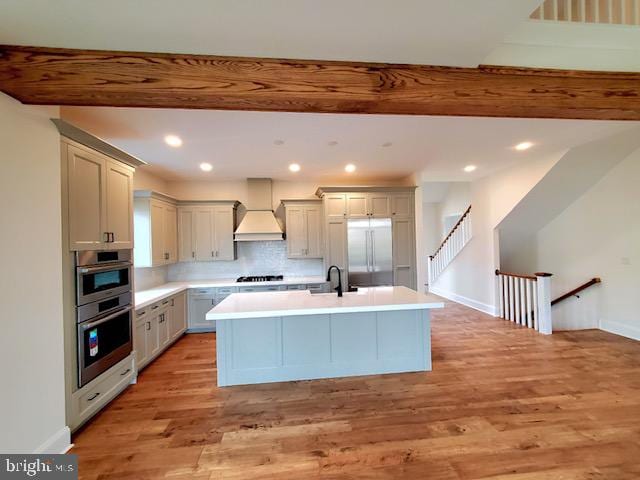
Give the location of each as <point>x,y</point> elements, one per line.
<point>259,223</point>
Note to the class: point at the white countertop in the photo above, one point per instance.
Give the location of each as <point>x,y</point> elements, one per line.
<point>302,302</point>
<point>144,298</point>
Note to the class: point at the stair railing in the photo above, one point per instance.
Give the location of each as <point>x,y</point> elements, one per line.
<point>452,244</point>
<point>525,299</point>
<point>611,12</point>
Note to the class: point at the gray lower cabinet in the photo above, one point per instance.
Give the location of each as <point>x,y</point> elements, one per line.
<point>200,302</point>
<point>158,326</point>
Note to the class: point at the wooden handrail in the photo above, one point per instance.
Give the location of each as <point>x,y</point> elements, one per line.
<point>517,275</point>
<point>451,231</point>
<point>575,291</point>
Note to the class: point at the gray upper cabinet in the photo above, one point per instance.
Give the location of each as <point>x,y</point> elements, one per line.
<point>304,229</point>
<point>99,199</point>
<point>402,205</point>
<point>205,232</point>
<point>156,231</point>
<point>368,204</point>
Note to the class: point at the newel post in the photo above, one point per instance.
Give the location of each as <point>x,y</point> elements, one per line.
<point>545,323</point>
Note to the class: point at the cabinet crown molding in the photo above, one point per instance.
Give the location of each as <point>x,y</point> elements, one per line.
<point>76,134</point>
<point>168,198</point>
<point>370,188</point>
<point>313,201</point>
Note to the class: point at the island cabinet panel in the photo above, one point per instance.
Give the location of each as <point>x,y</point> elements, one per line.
<point>256,343</point>
<point>302,347</point>
<point>349,330</point>
<point>306,339</point>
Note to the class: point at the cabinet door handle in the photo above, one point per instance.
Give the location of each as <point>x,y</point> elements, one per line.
<point>173,302</point>
<point>113,237</point>
<point>93,397</point>
<point>217,252</point>
<point>193,254</point>
<point>106,234</point>
<point>148,326</point>
<point>213,254</point>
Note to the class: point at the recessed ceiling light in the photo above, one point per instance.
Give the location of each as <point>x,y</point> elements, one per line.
<point>206,167</point>
<point>350,168</point>
<point>523,146</point>
<point>387,144</point>
<point>332,143</point>
<point>278,142</point>
<point>173,140</point>
<point>470,168</point>
<point>294,167</point>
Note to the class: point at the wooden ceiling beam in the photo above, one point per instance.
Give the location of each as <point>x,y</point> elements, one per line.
<point>52,76</point>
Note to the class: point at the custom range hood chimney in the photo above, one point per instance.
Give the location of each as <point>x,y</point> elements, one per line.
<point>259,223</point>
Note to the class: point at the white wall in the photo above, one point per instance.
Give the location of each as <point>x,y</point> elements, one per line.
<point>470,278</point>
<point>143,179</point>
<point>454,203</point>
<point>598,236</point>
<point>32,410</point>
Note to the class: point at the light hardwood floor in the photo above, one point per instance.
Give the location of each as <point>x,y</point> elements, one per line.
<point>502,402</point>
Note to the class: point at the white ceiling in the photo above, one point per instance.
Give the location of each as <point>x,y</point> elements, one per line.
<point>436,32</point>
<point>243,144</point>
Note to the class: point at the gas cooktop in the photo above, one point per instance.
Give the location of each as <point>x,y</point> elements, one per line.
<point>261,278</point>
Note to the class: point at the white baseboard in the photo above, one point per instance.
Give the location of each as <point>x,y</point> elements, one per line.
<point>59,442</point>
<point>467,302</point>
<point>620,329</point>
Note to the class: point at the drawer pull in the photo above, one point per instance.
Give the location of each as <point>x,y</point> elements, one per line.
<point>125,372</point>
<point>165,302</point>
<point>94,397</point>
<point>155,307</point>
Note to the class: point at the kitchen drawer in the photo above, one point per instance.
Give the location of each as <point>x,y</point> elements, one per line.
<point>202,291</point>
<point>318,288</point>
<point>90,399</point>
<point>224,291</point>
<point>296,287</point>
<point>142,313</point>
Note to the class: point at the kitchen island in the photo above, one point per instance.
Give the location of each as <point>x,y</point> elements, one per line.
<point>295,335</point>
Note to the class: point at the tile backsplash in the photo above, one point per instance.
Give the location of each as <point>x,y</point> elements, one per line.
<point>146,278</point>
<point>254,258</point>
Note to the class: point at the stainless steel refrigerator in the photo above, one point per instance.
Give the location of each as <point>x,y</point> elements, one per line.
<point>369,247</point>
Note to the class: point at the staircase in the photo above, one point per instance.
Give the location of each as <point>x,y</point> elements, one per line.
<point>453,244</point>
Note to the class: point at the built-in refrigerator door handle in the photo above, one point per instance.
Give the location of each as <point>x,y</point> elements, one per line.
<point>373,251</point>
<point>366,249</point>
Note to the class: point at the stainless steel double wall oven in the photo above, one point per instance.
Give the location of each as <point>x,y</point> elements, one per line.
<point>104,311</point>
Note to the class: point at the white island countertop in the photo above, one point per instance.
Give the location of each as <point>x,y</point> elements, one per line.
<point>144,298</point>
<point>302,302</point>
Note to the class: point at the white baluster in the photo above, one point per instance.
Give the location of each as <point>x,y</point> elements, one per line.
<point>609,11</point>
<point>529,295</point>
<point>523,304</point>
<point>516,294</point>
<point>511,300</point>
<point>596,13</point>
<point>623,12</point>
<point>636,12</point>
<point>555,10</point>
<point>568,10</point>
<point>583,11</point>
<point>544,303</point>
<point>501,295</point>
<point>534,299</point>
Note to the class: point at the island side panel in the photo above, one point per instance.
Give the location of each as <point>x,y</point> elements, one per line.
<point>303,347</point>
